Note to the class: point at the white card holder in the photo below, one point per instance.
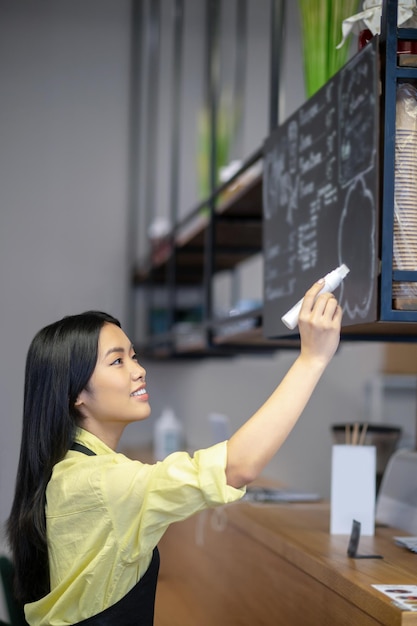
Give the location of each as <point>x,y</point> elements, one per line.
<point>353,488</point>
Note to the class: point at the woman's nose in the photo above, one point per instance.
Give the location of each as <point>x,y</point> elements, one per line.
<point>138,371</point>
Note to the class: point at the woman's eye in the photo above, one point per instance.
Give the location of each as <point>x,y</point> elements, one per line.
<point>135,357</point>
<point>118,361</point>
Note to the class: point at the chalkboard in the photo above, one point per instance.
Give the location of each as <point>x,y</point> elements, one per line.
<point>320,196</point>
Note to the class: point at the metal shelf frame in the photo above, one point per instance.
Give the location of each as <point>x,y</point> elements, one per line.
<point>210,250</point>
<point>392,75</point>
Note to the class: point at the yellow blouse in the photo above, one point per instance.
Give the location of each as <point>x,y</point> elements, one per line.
<point>106,513</point>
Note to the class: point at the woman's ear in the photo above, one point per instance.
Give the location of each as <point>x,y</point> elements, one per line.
<point>80,400</point>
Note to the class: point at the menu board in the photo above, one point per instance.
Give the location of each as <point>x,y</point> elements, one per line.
<point>320,196</point>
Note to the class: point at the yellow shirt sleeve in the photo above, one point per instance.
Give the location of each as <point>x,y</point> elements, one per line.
<point>144,499</point>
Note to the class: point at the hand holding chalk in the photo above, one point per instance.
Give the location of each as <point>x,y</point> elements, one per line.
<point>331,281</point>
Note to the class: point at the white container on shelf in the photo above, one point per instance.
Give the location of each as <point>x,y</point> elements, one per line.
<point>167,434</point>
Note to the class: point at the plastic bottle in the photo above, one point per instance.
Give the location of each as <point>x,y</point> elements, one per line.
<point>167,434</point>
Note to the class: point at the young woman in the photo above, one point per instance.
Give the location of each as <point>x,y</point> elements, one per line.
<point>86,520</point>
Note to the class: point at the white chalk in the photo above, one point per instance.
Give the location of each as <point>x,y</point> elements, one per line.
<point>331,281</point>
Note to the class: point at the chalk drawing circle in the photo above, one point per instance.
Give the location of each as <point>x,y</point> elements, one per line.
<point>356,245</point>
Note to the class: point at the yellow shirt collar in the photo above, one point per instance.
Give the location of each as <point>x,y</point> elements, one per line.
<point>91,441</point>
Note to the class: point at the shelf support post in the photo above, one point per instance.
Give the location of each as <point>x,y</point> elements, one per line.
<point>276,47</point>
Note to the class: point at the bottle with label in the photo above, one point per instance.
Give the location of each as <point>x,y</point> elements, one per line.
<point>167,434</point>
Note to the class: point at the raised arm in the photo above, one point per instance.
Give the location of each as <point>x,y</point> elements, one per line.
<point>255,443</point>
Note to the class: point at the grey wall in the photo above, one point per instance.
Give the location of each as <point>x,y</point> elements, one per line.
<point>64,70</point>
<point>63,171</point>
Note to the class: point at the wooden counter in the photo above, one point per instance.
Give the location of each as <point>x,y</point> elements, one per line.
<point>259,564</point>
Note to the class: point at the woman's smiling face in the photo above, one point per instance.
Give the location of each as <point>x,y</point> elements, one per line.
<point>116,393</point>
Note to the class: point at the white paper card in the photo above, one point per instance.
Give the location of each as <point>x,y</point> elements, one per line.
<point>353,489</point>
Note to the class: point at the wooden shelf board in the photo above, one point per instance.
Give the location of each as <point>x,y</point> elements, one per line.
<point>384,331</point>
<point>236,240</point>
<point>254,338</point>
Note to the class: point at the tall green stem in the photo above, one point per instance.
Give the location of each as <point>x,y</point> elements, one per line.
<point>321,30</point>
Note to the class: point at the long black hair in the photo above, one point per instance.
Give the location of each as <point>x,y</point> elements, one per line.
<point>59,364</point>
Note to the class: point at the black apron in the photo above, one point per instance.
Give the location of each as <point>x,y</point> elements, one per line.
<point>136,608</point>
